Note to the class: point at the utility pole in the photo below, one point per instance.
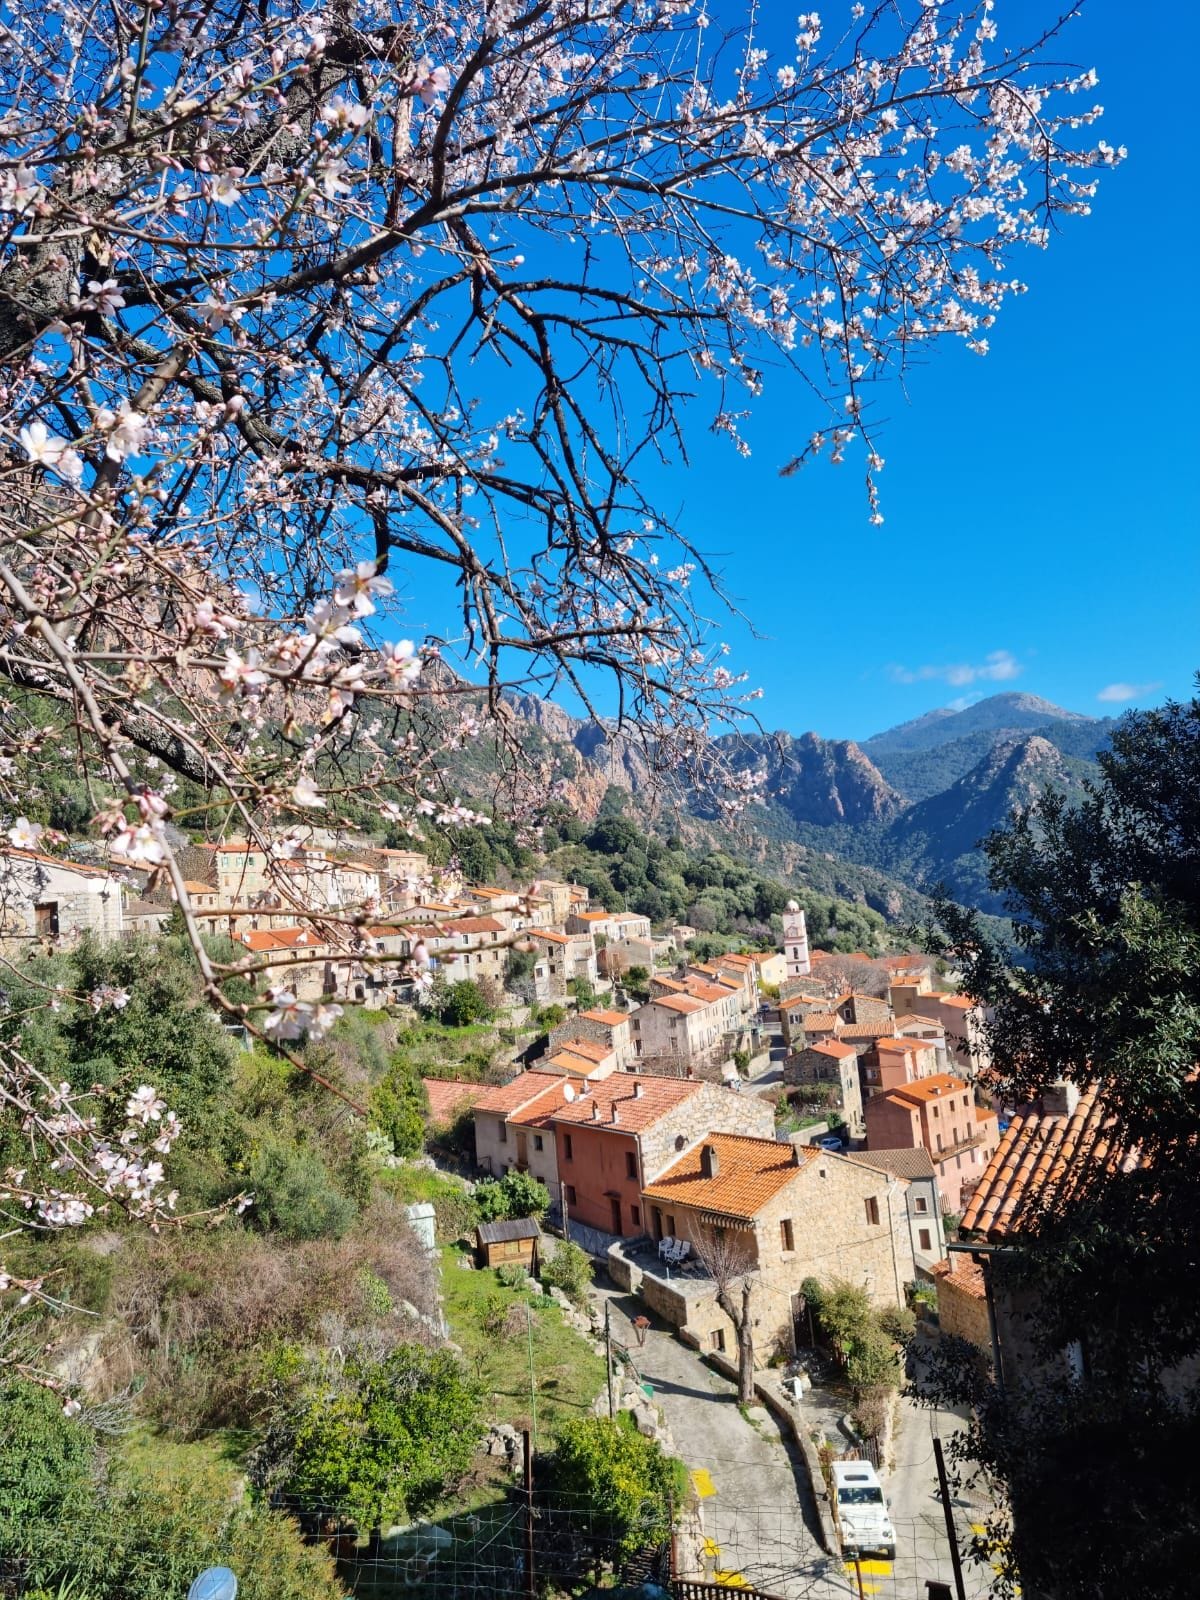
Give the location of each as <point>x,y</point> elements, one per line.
<point>858,1575</point>
<point>955,1558</point>
<point>530,1583</point>
<point>608,1354</point>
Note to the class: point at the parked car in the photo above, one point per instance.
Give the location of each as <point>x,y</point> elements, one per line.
<point>831,1141</point>
<point>862,1514</point>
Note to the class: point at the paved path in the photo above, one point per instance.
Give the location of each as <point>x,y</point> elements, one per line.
<point>759,1518</point>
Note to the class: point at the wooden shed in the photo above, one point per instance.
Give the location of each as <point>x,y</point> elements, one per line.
<point>500,1244</point>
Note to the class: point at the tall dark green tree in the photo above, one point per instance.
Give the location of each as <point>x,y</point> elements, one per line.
<point>1105,899</point>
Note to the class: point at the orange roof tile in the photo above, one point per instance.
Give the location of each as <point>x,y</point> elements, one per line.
<point>449,1096</point>
<point>907,1045</point>
<point>834,1047</point>
<point>1043,1163</point>
<point>963,1274</point>
<point>820,1022</point>
<point>749,1173</point>
<point>866,1030</point>
<point>686,1004</point>
<point>591,1048</point>
<point>566,1060</point>
<point>940,1086</point>
<point>475,925</point>
<point>611,1019</point>
<point>640,1101</point>
<point>521,1091</point>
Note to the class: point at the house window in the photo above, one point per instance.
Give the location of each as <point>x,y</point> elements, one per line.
<point>939,1141</point>
<point>921,1205</point>
<point>630,1164</point>
<point>570,1194</point>
<point>785,1234</point>
<point>923,1236</point>
<point>537,1141</point>
<point>872,1208</point>
<point>635,1213</point>
<point>568,1147</point>
<point>716,1339</point>
<point>504,1133</point>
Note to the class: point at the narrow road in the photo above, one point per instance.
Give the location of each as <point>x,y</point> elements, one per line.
<point>759,1516</point>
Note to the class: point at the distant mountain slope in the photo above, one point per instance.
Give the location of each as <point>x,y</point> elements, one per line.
<point>918,774</point>
<point>999,713</point>
<point>815,780</point>
<point>936,840</point>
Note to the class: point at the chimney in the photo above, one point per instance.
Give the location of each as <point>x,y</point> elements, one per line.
<point>595,1111</point>
<point>1060,1099</point>
<point>638,1091</point>
<point>710,1162</point>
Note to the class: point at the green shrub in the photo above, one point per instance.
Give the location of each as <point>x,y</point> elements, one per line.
<point>622,1484</point>
<point>294,1196</point>
<point>568,1269</point>
<point>380,1441</point>
<point>516,1194</point>
<point>400,1106</point>
<point>898,1322</point>
<point>512,1275</point>
<point>45,1465</point>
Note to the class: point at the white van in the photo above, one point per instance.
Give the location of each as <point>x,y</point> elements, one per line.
<point>862,1513</point>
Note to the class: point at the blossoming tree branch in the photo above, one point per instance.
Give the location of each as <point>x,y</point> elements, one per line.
<point>298,300</point>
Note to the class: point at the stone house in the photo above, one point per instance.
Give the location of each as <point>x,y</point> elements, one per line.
<point>922,1199</point>
<point>681,1035</point>
<point>559,957</point>
<point>806,1019</point>
<point>786,1213</point>
<point>471,947</point>
<point>938,1114</point>
<point>580,1058</point>
<point>832,1062</point>
<point>43,897</point>
<point>962,1302</point>
<point>509,1127</point>
<point>853,1007</point>
<point>602,1026</point>
<point>619,1133</point>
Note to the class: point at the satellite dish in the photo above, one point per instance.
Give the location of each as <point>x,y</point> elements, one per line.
<point>214,1583</point>
<point>568,1093</point>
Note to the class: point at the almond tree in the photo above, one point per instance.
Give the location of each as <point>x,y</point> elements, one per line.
<point>299,302</point>
<point>728,1256</point>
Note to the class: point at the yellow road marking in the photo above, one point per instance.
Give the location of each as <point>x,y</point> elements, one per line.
<point>702,1479</point>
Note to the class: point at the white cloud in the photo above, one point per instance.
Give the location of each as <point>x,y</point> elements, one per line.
<point>1119,693</point>
<point>1000,666</point>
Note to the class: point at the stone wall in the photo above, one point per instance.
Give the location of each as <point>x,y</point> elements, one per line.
<point>962,1302</point>
<point>710,1109</point>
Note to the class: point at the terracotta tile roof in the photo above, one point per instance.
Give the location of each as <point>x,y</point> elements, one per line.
<point>908,1046</point>
<point>547,933</point>
<point>449,1096</point>
<point>590,1048</point>
<point>833,1047</point>
<point>866,1030</point>
<point>802,1000</point>
<point>901,1163</point>
<point>1043,1163</point>
<point>193,887</point>
<point>592,916</point>
<point>671,985</point>
<point>521,1091</point>
<point>750,1172</point>
<point>278,938</point>
<point>566,1060</point>
<point>640,1101</point>
<point>475,925</point>
<point>610,1019</point>
<point>938,1087</point>
<point>821,1022</point>
<point>710,992</point>
<point>964,1274</point>
<point>686,1004</point>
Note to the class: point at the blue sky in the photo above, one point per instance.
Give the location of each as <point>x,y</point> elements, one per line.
<point>1040,502</point>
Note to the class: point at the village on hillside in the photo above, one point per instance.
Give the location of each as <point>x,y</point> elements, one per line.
<point>727,1136</point>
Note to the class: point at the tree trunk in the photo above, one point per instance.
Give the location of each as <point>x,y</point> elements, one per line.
<point>744,1327</point>
<point>745,1333</point>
